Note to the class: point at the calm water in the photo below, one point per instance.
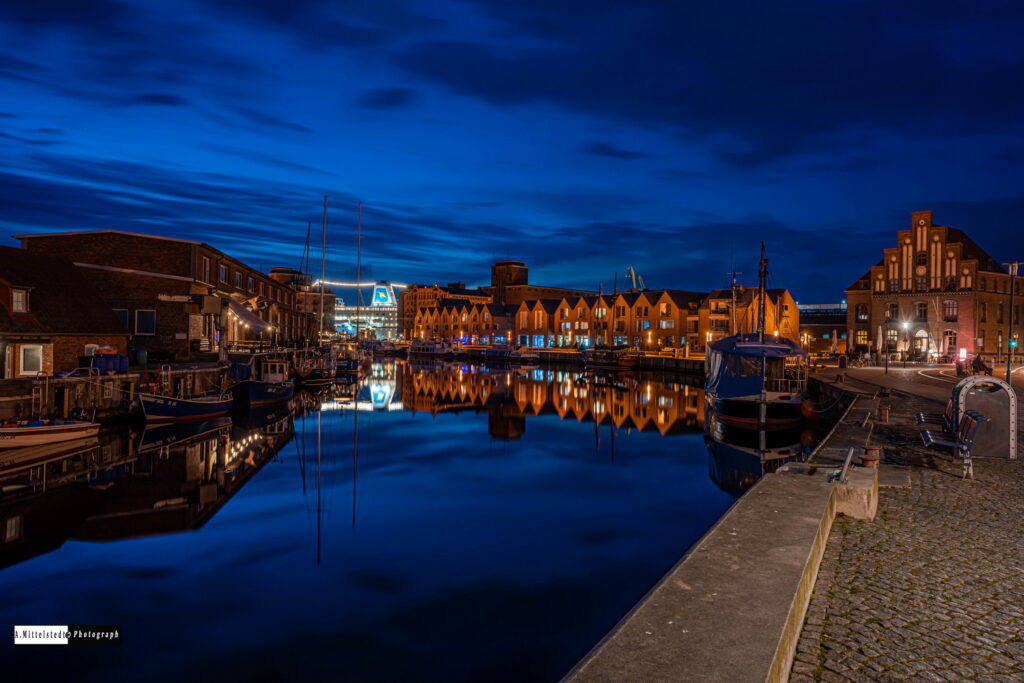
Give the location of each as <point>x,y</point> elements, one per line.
<point>484,525</point>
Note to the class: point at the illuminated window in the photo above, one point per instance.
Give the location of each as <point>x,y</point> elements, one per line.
<point>950,311</point>
<point>862,337</point>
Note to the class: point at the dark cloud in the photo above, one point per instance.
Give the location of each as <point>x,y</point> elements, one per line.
<point>76,14</point>
<point>159,98</point>
<point>756,84</point>
<point>262,118</point>
<point>603,149</point>
<point>387,98</point>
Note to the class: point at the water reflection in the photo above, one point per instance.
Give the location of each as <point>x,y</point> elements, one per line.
<point>514,514</point>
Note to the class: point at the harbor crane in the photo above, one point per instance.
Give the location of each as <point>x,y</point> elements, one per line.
<point>635,279</point>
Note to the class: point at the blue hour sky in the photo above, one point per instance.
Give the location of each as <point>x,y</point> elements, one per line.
<point>580,137</point>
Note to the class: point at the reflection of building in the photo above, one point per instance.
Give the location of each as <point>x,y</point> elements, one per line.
<point>509,397</point>
<point>821,326</point>
<point>935,292</point>
<point>376,320</point>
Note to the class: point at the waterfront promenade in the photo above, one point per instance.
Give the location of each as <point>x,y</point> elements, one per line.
<point>933,588</point>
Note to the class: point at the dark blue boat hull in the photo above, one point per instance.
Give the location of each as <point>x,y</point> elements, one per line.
<point>169,409</point>
<point>254,393</point>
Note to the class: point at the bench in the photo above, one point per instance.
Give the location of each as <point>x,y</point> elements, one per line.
<point>944,418</point>
<point>961,441</point>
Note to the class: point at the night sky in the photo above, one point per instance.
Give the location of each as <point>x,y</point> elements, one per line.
<point>582,137</point>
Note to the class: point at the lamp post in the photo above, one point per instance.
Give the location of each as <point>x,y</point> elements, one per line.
<point>906,342</point>
<point>1011,342</point>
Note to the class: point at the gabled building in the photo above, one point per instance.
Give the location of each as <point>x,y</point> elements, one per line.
<point>50,314</point>
<point>934,293</point>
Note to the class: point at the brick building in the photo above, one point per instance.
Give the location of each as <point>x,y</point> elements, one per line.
<point>148,280</point>
<point>823,327</point>
<point>310,303</point>
<point>932,294</point>
<point>50,315</point>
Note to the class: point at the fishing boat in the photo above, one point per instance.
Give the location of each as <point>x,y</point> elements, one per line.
<point>422,349</point>
<point>505,354</point>
<point>158,408</point>
<point>756,380</point>
<point>263,380</point>
<point>37,432</point>
<point>611,357</point>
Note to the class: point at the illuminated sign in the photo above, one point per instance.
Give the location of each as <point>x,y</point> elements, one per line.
<point>383,295</point>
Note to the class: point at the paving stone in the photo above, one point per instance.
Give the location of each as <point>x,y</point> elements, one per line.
<point>933,588</point>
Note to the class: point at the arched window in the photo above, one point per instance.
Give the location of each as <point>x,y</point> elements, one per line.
<point>921,311</point>
<point>892,312</point>
<point>949,339</point>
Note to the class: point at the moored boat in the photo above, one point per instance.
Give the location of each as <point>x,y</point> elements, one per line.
<point>755,380</point>
<point>611,357</point>
<point>37,432</point>
<point>158,408</point>
<point>504,354</point>
<point>421,348</point>
<point>262,380</point>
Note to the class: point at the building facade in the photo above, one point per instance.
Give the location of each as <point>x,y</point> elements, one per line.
<point>315,307</point>
<point>936,292</point>
<point>50,315</point>
<point>823,328</point>
<point>152,282</point>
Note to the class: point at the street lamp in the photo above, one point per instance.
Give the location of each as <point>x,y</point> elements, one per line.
<point>906,342</point>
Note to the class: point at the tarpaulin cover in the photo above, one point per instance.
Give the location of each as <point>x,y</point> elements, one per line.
<point>735,365</point>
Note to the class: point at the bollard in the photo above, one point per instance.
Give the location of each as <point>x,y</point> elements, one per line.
<point>872,454</point>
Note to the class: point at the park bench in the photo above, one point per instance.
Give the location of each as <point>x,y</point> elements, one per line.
<point>944,418</point>
<point>961,441</point>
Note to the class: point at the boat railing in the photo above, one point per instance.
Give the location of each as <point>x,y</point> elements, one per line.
<point>786,386</point>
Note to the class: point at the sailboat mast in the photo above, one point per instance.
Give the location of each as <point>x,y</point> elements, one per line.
<point>762,276</point>
<point>359,256</point>
<point>733,308</point>
<point>323,268</point>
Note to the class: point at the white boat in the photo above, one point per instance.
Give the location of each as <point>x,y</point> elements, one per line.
<point>36,432</point>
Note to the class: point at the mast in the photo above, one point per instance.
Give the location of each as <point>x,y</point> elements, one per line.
<point>359,256</point>
<point>762,276</point>
<point>323,270</point>
<point>733,310</point>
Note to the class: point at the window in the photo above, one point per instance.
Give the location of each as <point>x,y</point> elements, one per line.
<point>620,311</point>
<point>922,258</point>
<point>31,359</point>
<point>891,339</point>
<point>641,311</point>
<point>950,311</point>
<point>894,285</point>
<point>600,312</point>
<point>19,301</point>
<point>145,321</point>
<point>666,309</point>
<point>523,319</point>
<point>252,284</point>
<point>538,319</point>
<point>862,313</point>
<point>222,273</point>
<point>122,315</point>
<point>667,324</point>
<point>12,529</point>
<point>862,337</point>
<point>892,312</point>
<point>921,311</point>
<point>206,269</point>
<point>238,280</point>
<point>983,312</point>
<point>981,283</point>
<point>564,313</point>
<point>261,289</point>
<point>949,338</point>
<point>921,284</point>
<point>999,312</point>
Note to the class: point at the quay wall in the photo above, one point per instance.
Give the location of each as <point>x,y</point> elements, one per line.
<point>690,366</point>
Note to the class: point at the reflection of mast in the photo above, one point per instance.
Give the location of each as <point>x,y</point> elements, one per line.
<point>319,507</point>
<point>612,428</point>
<point>355,453</point>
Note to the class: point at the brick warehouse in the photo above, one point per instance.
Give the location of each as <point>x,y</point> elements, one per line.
<point>135,274</point>
<point>50,315</point>
<point>933,294</point>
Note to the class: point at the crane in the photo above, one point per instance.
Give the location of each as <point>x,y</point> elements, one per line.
<point>636,279</point>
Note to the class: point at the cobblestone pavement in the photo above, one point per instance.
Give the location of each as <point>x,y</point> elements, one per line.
<point>933,588</point>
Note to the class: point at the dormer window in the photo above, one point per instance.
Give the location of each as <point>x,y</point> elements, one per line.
<point>19,300</point>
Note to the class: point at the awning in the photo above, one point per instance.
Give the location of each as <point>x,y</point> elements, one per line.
<point>253,321</point>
